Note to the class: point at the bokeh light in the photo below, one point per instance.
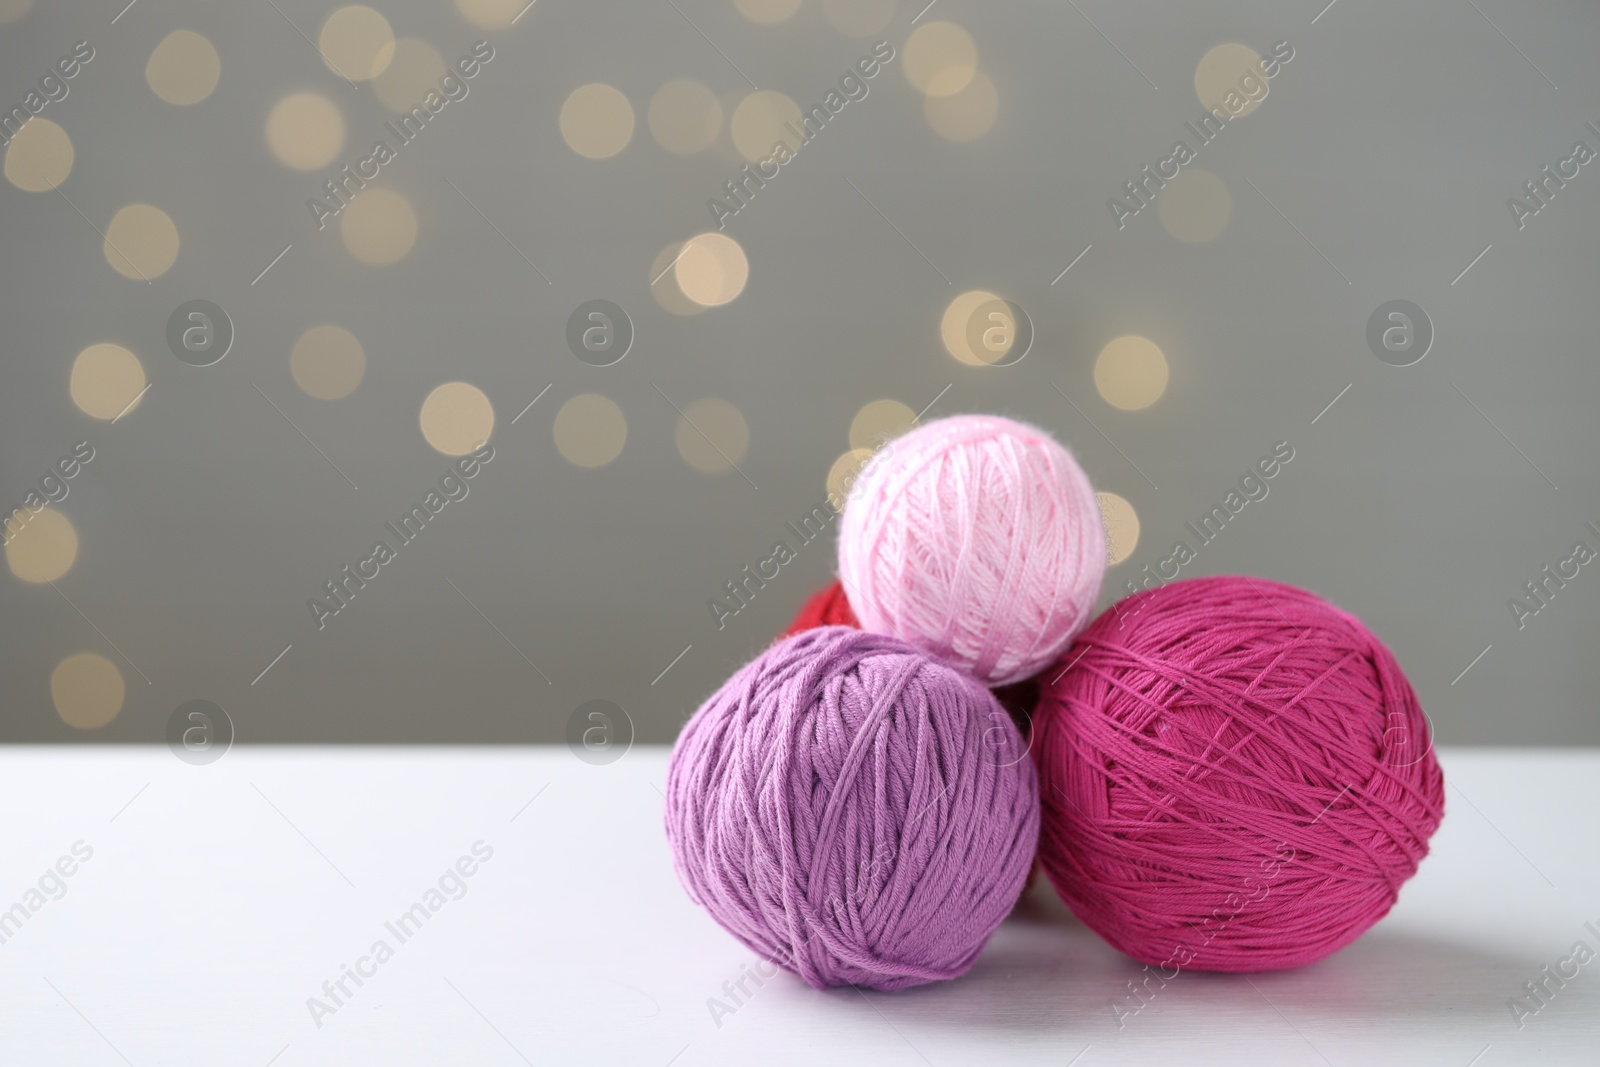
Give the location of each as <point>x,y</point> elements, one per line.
<point>41,548</point>
<point>1122,527</point>
<point>684,117</point>
<point>105,379</point>
<point>39,157</point>
<point>356,42</point>
<point>412,73</point>
<point>940,58</point>
<point>457,418</point>
<point>87,690</point>
<point>712,435</point>
<point>305,131</point>
<point>767,12</point>
<point>880,420</point>
<point>712,269</point>
<point>141,242</point>
<point>1131,373</point>
<point>1219,73</point>
<point>596,121</point>
<point>1195,206</point>
<point>590,430</point>
<point>953,326</point>
<point>491,14</point>
<point>184,68</point>
<point>965,115</point>
<point>842,475</point>
<point>328,362</point>
<point>664,282</point>
<point>379,227</point>
<point>858,18</point>
<point>759,122</point>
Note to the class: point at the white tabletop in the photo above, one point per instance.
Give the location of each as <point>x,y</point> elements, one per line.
<point>219,899</point>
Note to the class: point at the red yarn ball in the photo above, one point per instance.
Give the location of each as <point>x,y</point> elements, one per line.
<point>1236,776</point>
<point>826,607</point>
<point>829,606</point>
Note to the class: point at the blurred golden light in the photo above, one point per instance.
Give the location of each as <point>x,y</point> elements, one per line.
<point>590,430</point>
<point>184,68</point>
<point>858,18</point>
<point>1122,527</point>
<point>878,421</point>
<point>412,73</point>
<point>759,122</point>
<point>842,475</point>
<point>767,12</point>
<point>39,157</point>
<point>106,378</point>
<point>87,690</point>
<point>491,14</point>
<point>305,131</point>
<point>940,58</point>
<point>356,42</point>
<point>684,117</point>
<point>379,227</point>
<point>1131,373</point>
<point>457,418</point>
<point>965,115</point>
<point>42,548</point>
<point>596,121</point>
<point>328,362</point>
<point>664,282</point>
<point>712,435</point>
<point>1194,207</point>
<point>953,326</point>
<point>1217,78</point>
<point>12,10</point>
<point>141,242</point>
<point>712,269</point>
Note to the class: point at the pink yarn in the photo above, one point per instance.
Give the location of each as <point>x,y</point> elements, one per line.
<point>1236,776</point>
<point>853,810</point>
<point>978,539</point>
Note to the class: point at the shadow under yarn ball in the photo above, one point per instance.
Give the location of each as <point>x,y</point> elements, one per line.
<point>1236,776</point>
<point>841,807</point>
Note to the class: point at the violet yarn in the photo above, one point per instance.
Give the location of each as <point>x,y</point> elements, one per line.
<point>979,540</point>
<point>1236,776</point>
<point>853,810</point>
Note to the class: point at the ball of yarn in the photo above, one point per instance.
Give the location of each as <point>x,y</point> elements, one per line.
<point>1236,776</point>
<point>829,606</point>
<point>853,810</point>
<point>977,539</point>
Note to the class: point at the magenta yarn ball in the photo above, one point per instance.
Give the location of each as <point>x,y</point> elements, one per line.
<point>978,539</point>
<point>1236,776</point>
<point>853,810</point>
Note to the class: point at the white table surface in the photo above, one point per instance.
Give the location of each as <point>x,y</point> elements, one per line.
<point>219,899</point>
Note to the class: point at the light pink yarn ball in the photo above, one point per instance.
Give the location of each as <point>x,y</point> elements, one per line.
<point>977,539</point>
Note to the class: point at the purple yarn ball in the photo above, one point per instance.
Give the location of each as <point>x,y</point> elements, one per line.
<point>853,810</point>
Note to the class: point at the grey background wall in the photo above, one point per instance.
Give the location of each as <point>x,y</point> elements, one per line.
<point>1377,168</point>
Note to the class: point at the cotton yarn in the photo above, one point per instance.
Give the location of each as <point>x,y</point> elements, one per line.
<point>853,810</point>
<point>829,606</point>
<point>1236,776</point>
<point>977,539</point>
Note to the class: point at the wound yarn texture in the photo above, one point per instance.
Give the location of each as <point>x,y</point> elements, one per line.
<point>1235,776</point>
<point>853,810</point>
<point>977,539</point>
<point>828,606</point>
